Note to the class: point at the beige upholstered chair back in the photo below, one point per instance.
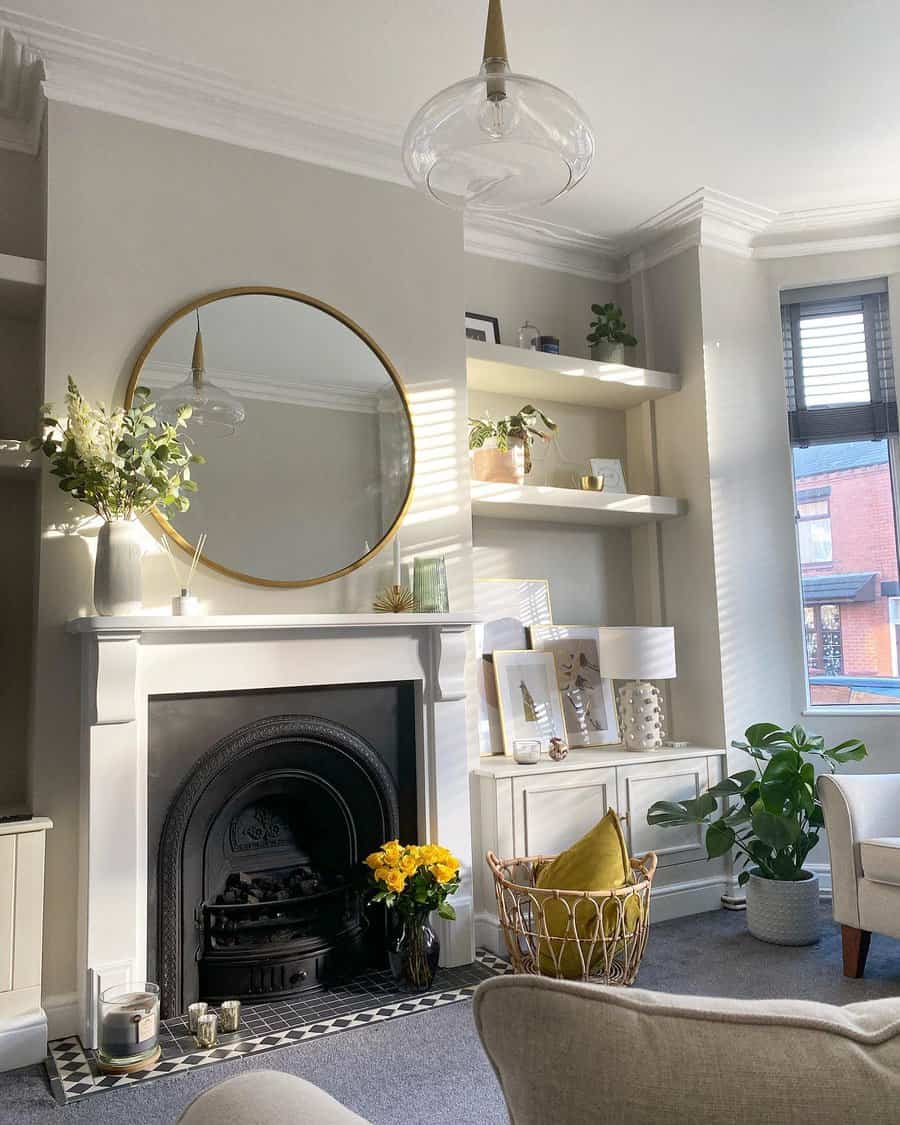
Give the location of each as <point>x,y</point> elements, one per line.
<point>569,1053</point>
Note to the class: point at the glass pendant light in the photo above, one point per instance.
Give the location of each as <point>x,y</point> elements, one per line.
<point>499,141</point>
<point>213,408</point>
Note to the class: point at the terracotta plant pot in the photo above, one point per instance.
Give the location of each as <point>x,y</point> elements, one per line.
<point>499,466</point>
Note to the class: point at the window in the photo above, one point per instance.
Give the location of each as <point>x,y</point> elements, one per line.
<point>814,529</point>
<point>842,414</point>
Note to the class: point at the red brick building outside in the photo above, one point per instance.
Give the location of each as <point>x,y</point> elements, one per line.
<point>848,554</point>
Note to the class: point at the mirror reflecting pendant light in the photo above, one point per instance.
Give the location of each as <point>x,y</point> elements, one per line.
<point>212,407</point>
<point>499,141</point>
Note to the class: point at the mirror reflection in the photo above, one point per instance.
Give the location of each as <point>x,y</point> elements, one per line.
<point>304,427</point>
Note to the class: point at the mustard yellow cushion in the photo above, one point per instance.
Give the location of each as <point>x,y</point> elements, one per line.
<point>596,862</point>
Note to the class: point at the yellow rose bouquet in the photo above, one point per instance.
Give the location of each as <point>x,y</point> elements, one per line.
<point>413,880</point>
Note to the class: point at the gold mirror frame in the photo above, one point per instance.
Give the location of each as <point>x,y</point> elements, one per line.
<point>303,298</point>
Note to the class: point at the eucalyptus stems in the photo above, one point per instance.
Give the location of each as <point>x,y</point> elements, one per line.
<point>119,462</point>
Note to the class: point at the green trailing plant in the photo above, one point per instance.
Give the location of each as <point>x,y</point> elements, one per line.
<point>610,326</point>
<point>776,817</point>
<point>120,462</point>
<point>515,429</point>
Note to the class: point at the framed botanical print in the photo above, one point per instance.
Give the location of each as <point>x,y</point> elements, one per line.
<point>588,699</point>
<point>506,608</point>
<point>528,697</point>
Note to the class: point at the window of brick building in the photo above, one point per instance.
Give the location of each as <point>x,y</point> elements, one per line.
<point>842,414</point>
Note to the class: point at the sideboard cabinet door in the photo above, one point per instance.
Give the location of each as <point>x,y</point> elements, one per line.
<point>642,785</point>
<point>550,812</point>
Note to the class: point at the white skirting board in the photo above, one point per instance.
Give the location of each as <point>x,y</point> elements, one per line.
<point>63,1014</point>
<point>23,1040</point>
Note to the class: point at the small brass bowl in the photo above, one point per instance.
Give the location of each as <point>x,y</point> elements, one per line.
<point>592,484</point>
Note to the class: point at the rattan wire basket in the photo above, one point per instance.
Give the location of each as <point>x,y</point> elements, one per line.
<point>576,935</point>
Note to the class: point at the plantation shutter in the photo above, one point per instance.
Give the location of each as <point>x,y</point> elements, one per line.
<point>838,365</point>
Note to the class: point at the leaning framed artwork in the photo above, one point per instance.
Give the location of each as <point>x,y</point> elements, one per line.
<point>528,695</point>
<point>485,329</point>
<point>588,699</point>
<point>506,607</point>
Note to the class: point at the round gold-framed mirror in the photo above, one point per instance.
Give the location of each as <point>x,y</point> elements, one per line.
<point>304,425</point>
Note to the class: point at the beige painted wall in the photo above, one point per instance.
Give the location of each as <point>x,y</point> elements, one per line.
<point>752,505</point>
<point>558,303</point>
<point>141,219</point>
<point>668,321</point>
<point>22,213</point>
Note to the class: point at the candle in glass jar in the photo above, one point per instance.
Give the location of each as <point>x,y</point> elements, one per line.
<point>129,1026</point>
<point>230,1015</point>
<point>195,1011</point>
<point>206,1030</point>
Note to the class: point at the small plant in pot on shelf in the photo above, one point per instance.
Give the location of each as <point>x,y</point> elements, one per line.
<point>609,335</point>
<point>121,463</point>
<point>501,448</point>
<point>413,880</point>
<point>774,823</point>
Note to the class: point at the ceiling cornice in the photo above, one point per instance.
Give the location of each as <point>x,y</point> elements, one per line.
<point>98,73</point>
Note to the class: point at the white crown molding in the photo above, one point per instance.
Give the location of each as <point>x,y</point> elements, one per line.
<point>250,385</point>
<point>21,100</point>
<point>98,73</point>
<point>534,242</point>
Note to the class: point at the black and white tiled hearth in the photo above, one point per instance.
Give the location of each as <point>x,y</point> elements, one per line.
<point>370,998</point>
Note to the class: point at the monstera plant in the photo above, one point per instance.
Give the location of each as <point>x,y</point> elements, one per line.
<point>776,816</point>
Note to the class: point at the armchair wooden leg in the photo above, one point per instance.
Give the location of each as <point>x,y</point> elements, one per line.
<point>856,949</point>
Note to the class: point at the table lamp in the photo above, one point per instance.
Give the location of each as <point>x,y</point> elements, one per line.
<point>639,653</point>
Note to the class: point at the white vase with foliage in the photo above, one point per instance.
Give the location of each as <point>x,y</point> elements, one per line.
<point>121,463</point>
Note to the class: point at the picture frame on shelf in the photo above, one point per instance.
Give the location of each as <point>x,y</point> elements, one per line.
<point>610,468</point>
<point>484,329</point>
<point>506,608</point>
<point>588,697</point>
<point>528,697</point>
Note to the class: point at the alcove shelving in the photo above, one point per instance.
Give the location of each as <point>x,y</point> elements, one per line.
<point>21,287</point>
<point>531,376</point>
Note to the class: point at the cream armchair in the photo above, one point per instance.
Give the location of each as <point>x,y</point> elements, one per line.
<point>862,820</point>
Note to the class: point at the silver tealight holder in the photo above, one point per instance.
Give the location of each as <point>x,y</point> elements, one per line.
<point>229,1015</point>
<point>207,1030</point>
<point>194,1012</point>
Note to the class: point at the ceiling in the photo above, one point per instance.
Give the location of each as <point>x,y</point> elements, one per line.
<point>792,104</point>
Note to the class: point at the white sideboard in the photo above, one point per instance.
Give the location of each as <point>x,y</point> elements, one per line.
<point>542,809</point>
<point>23,1025</point>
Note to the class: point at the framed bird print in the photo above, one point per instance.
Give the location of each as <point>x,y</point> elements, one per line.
<point>588,700</point>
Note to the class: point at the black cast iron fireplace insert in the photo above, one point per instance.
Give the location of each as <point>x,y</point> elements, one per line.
<point>258,855</point>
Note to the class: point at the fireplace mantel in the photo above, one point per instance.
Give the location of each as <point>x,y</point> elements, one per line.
<point>128,660</point>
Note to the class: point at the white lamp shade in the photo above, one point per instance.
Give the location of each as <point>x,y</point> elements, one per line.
<point>638,652</point>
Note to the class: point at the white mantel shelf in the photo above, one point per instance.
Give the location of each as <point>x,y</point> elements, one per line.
<point>247,622</point>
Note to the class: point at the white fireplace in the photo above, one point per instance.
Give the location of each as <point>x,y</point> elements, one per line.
<point>126,661</point>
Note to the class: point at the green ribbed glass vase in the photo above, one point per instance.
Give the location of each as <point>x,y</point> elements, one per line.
<point>430,585</point>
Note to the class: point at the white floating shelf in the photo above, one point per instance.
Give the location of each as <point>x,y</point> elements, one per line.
<point>15,457</point>
<point>21,285</point>
<point>571,505</point>
<point>561,378</point>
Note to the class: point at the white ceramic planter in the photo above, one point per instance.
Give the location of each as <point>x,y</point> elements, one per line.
<point>608,353</point>
<point>783,913</point>
<point>117,569</point>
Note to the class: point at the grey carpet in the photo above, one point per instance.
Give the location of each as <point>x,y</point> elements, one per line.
<point>430,1067</point>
